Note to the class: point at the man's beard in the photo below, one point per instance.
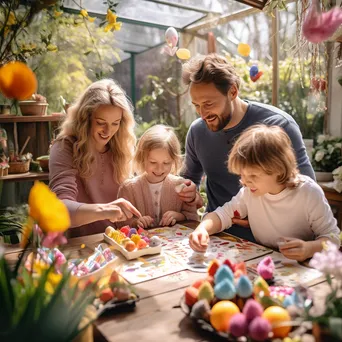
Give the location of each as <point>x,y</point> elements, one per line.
<point>223,121</point>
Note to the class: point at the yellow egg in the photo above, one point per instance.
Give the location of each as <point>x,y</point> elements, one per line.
<point>109,230</point>
<point>221,313</point>
<point>183,54</point>
<point>277,315</point>
<point>135,238</point>
<point>244,49</point>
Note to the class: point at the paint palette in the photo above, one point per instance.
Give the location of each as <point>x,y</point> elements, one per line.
<point>134,254</point>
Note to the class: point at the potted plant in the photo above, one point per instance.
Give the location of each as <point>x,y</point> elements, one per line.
<point>327,318</point>
<point>326,157</point>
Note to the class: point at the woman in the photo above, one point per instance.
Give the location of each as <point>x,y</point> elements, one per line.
<point>92,156</point>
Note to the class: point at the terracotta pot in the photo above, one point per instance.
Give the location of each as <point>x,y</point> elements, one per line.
<point>36,108</point>
<point>322,334</point>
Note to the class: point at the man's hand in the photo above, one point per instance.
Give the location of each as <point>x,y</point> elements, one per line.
<point>188,192</point>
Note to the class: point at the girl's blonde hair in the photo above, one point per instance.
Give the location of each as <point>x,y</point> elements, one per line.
<point>268,148</point>
<point>158,136</point>
<point>77,125</point>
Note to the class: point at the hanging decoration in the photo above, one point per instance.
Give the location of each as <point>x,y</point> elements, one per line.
<point>171,38</point>
<point>319,26</point>
<point>244,49</point>
<point>254,73</point>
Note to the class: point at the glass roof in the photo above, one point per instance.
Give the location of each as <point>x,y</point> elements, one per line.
<point>145,21</point>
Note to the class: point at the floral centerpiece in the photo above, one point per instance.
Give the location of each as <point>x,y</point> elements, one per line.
<point>43,302</point>
<point>328,317</point>
<point>327,154</point>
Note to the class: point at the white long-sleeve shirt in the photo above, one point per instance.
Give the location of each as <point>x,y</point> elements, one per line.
<point>302,213</point>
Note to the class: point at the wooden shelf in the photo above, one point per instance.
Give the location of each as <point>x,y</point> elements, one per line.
<point>28,176</point>
<point>17,118</point>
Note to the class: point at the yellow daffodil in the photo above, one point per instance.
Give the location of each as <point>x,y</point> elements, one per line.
<point>27,229</point>
<point>39,266</point>
<point>52,48</point>
<point>57,14</point>
<point>84,13</point>
<point>11,19</point>
<point>112,23</point>
<point>47,210</point>
<point>91,19</point>
<point>52,282</point>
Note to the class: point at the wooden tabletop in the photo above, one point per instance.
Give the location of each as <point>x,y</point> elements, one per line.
<point>157,316</point>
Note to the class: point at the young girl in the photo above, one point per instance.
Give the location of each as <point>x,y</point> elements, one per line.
<point>155,191</point>
<point>284,209</point>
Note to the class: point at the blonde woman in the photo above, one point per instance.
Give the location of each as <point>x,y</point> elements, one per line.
<point>92,156</point>
<point>154,192</point>
<point>285,210</point>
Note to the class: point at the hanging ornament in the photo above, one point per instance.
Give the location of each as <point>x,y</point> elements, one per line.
<point>183,54</point>
<point>244,49</point>
<point>320,26</point>
<point>171,38</point>
<point>254,73</point>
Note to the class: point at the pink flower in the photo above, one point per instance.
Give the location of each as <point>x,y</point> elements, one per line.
<point>53,239</point>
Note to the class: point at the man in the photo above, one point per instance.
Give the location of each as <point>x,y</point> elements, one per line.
<point>214,89</point>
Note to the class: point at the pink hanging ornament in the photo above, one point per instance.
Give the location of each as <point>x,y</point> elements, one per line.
<point>171,37</point>
<point>318,26</point>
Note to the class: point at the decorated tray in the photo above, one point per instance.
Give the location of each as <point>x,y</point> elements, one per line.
<point>132,243</point>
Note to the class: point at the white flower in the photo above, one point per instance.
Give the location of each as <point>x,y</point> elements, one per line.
<point>319,155</point>
<point>338,145</point>
<point>320,139</point>
<point>330,148</point>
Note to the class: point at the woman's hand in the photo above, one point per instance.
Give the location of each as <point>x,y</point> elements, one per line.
<point>145,222</point>
<point>199,239</point>
<point>170,218</point>
<point>119,210</point>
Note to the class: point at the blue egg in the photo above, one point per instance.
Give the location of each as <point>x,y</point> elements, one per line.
<point>288,301</point>
<point>225,289</point>
<point>253,71</point>
<point>223,272</point>
<point>244,287</point>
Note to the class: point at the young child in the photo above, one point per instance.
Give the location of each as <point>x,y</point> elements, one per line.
<point>284,209</point>
<point>155,190</point>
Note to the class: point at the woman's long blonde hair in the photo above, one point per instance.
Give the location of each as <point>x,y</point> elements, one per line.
<point>77,125</point>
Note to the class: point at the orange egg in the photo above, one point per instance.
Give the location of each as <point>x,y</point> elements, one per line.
<point>244,49</point>
<point>277,315</point>
<point>221,313</point>
<point>130,246</point>
<point>17,81</point>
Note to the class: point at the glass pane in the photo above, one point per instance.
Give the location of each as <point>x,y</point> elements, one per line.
<point>144,11</point>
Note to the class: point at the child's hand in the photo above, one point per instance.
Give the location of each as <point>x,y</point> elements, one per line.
<point>199,240</point>
<point>170,218</point>
<point>145,222</point>
<point>295,249</point>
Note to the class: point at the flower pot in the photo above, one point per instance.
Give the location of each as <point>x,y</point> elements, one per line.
<point>323,334</point>
<point>324,176</point>
<point>37,108</point>
<point>44,163</point>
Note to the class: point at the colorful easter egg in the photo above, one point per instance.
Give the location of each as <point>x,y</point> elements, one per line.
<point>224,272</point>
<point>109,230</point>
<point>130,246</point>
<point>206,291</point>
<point>171,36</point>
<point>183,54</point>
<point>244,287</point>
<point>191,296</point>
<point>141,244</point>
<point>238,325</point>
<point>221,314</point>
<point>213,267</point>
<point>200,310</point>
<point>252,309</point>
<point>259,329</point>
<point>135,238</point>
<point>244,49</point>
<point>253,70</point>
<point>225,289</point>
<point>276,315</point>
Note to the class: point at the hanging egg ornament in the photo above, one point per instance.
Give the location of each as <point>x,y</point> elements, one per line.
<point>183,54</point>
<point>244,49</point>
<point>171,37</point>
<point>254,73</point>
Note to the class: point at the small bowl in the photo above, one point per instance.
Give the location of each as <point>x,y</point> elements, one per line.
<point>44,162</point>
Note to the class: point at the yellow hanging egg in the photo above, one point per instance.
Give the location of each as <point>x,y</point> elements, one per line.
<point>244,49</point>
<point>183,54</point>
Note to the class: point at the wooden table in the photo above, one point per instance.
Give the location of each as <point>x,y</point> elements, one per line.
<point>157,316</point>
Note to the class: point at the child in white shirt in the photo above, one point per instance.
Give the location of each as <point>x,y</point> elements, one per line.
<point>284,209</point>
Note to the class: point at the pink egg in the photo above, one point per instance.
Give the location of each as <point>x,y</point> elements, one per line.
<point>259,329</point>
<point>238,325</point>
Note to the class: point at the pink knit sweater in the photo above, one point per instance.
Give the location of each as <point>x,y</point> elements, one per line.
<point>74,191</point>
<point>137,191</point>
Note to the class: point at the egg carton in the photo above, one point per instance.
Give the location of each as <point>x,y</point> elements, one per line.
<point>134,254</point>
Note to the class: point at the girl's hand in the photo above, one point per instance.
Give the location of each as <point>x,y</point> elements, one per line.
<point>119,210</point>
<point>170,218</point>
<point>295,249</point>
<point>199,239</point>
<point>145,222</point>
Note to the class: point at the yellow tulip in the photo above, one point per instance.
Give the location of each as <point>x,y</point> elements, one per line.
<point>84,13</point>
<point>111,17</point>
<point>27,229</point>
<point>47,210</point>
